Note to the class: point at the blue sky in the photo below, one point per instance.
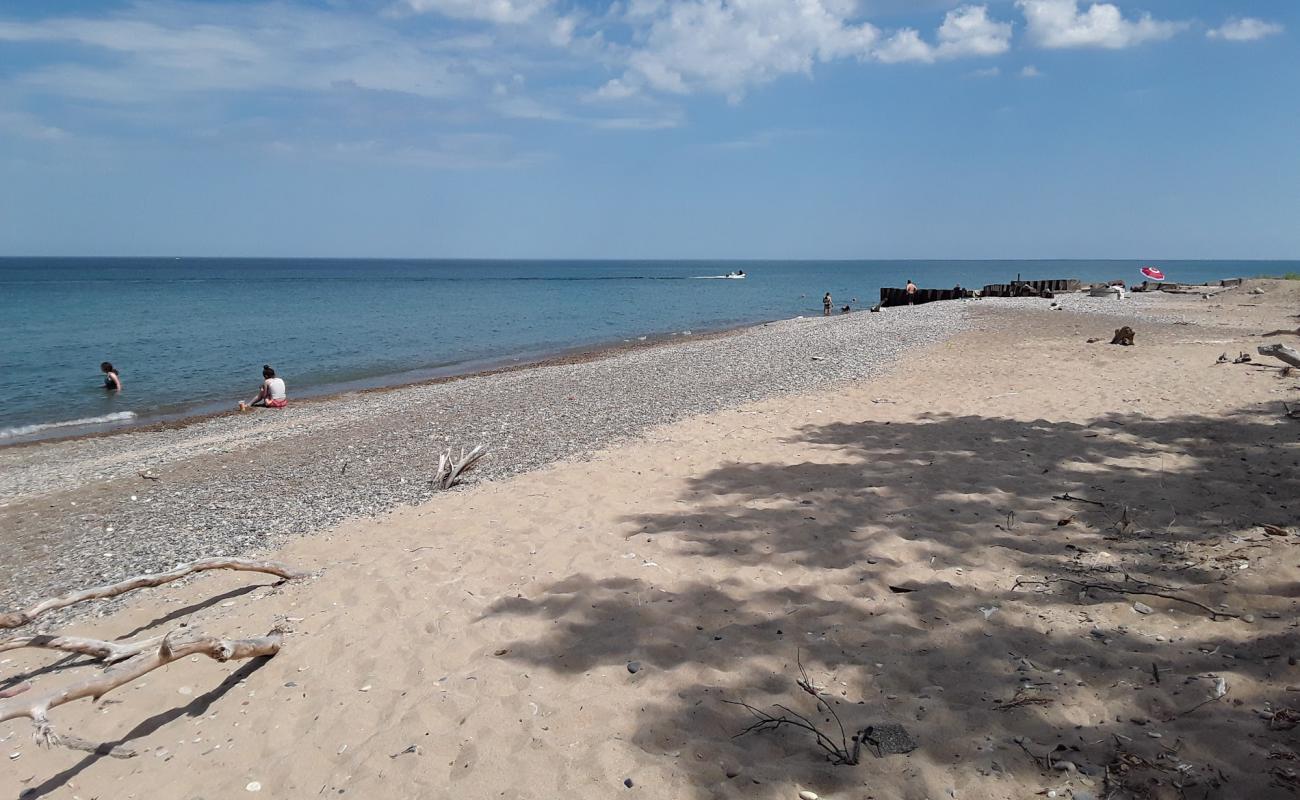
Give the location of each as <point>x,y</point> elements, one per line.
<point>651,129</point>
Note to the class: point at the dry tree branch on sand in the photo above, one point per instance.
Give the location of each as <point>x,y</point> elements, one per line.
<point>16,619</point>
<point>838,752</point>
<point>108,652</point>
<point>176,645</point>
<point>450,469</point>
<point>137,658</point>
<point>1139,590</point>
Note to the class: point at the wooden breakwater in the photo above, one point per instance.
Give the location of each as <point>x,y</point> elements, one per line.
<point>1030,288</point>
<point>890,296</point>
<point>898,297</point>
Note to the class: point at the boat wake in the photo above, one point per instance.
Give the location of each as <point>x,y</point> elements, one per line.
<point>28,430</point>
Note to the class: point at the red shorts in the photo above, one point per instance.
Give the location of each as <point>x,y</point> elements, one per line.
<point>281,403</point>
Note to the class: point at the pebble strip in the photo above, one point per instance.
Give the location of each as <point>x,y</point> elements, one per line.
<point>239,484</point>
<point>77,513</point>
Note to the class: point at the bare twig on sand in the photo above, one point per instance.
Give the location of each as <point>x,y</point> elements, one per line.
<point>15,619</point>
<point>838,752</point>
<point>450,469</point>
<point>176,645</point>
<point>1023,697</point>
<point>1069,498</point>
<point>1144,590</point>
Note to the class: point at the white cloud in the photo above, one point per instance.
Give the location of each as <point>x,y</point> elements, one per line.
<point>613,89</point>
<point>1245,29</point>
<point>1061,24</point>
<point>728,46</point>
<point>968,31</point>
<point>501,11</point>
<point>905,45</point>
<point>1030,71</point>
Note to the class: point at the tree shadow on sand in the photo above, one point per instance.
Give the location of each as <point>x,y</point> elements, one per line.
<point>884,542</point>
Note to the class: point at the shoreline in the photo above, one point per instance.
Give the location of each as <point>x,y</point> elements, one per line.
<point>332,391</point>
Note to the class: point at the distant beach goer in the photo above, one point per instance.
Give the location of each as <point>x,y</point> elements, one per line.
<point>271,394</point>
<point>826,305</point>
<point>112,381</point>
<point>911,291</point>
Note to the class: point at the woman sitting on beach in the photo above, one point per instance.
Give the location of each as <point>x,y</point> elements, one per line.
<point>271,395</point>
<point>112,381</point>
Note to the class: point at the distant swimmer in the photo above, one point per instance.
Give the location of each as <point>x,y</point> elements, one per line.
<point>826,305</point>
<point>271,394</point>
<point>112,381</point>
<point>911,291</point>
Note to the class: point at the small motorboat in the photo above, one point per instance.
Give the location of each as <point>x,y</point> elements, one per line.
<point>737,275</point>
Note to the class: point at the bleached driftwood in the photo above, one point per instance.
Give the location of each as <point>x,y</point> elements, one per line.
<point>15,619</point>
<point>176,645</point>
<point>1282,353</point>
<point>108,652</point>
<point>450,469</point>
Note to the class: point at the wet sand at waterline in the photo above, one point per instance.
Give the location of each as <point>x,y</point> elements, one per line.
<point>478,644</point>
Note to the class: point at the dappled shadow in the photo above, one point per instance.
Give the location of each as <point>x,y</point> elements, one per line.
<point>949,483</point>
<point>898,546</point>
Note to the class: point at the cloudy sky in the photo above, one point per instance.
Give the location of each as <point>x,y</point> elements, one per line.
<point>651,128</point>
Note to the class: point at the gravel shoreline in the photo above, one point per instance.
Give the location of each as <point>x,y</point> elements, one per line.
<point>77,512</point>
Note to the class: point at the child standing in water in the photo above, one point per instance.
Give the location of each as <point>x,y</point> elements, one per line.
<point>112,381</point>
<point>271,394</point>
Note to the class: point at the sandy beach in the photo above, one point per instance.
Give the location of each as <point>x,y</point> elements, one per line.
<point>1044,558</point>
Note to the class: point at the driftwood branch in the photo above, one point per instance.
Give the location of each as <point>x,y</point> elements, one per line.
<point>451,469</point>
<point>1281,352</point>
<point>1129,590</point>
<point>15,619</point>
<point>176,645</point>
<point>15,690</point>
<point>108,652</point>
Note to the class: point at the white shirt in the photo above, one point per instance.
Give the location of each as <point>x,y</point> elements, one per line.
<point>276,386</point>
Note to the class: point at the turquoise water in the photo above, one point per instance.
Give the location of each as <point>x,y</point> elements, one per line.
<point>190,335</point>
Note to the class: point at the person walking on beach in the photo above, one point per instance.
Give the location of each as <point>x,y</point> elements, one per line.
<point>112,381</point>
<point>826,305</point>
<point>911,292</point>
<point>271,394</point>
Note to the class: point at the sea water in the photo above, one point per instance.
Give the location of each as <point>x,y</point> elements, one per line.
<point>191,335</point>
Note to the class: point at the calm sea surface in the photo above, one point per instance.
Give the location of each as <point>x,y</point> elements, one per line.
<point>191,335</point>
